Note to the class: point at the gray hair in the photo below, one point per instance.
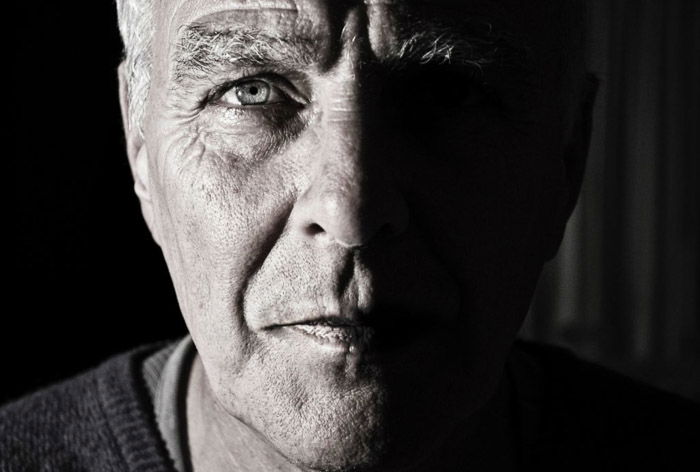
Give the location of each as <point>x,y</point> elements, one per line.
<point>135,19</point>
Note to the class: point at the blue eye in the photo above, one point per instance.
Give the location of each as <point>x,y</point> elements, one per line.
<point>250,93</point>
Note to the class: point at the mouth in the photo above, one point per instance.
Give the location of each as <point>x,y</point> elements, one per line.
<point>353,333</point>
<point>331,330</point>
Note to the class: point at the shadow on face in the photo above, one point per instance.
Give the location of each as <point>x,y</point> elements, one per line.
<point>354,202</point>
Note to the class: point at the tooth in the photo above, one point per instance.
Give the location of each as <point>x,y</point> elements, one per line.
<point>325,331</point>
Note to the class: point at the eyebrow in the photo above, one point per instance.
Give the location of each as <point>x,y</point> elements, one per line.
<point>201,50</point>
<point>446,46</point>
<point>473,42</point>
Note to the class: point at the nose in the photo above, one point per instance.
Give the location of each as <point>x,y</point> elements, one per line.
<point>353,198</point>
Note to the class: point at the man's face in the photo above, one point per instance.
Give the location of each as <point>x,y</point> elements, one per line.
<point>354,201</point>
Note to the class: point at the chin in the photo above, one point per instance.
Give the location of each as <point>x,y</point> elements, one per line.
<point>337,459</point>
<point>370,429</point>
<point>358,451</point>
<point>325,427</point>
<point>339,434</point>
<point>370,451</point>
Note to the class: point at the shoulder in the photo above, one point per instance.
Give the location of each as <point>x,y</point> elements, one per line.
<point>591,415</point>
<point>90,422</point>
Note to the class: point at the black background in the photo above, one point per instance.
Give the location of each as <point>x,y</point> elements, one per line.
<point>85,280</point>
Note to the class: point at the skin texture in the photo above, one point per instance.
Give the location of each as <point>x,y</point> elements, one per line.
<point>420,199</point>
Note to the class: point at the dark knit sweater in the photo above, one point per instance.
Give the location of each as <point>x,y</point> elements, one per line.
<point>571,415</point>
<point>102,420</point>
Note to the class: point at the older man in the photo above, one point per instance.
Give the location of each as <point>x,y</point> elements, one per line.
<point>354,200</point>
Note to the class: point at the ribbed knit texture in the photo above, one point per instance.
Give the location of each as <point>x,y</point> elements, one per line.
<point>101,421</point>
<point>153,368</point>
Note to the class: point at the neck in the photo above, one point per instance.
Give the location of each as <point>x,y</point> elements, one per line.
<point>220,442</point>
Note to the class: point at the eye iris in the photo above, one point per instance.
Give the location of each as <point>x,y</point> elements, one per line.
<point>253,93</point>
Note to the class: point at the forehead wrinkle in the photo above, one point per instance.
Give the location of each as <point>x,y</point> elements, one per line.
<point>193,11</point>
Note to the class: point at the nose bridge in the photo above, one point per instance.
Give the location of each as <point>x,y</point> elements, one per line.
<point>344,140</point>
<point>351,198</point>
<point>345,136</point>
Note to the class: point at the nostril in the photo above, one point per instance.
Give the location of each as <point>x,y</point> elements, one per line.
<point>314,229</point>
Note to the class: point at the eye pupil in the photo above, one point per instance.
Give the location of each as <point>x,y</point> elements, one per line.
<point>253,90</point>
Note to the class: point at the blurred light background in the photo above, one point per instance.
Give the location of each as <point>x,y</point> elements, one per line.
<point>624,289</point>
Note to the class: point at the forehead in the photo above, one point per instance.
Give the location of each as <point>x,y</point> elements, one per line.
<point>181,11</point>
<point>532,33</point>
<point>325,19</point>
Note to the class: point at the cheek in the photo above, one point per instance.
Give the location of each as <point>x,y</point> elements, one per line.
<point>220,202</point>
<point>494,185</point>
<point>494,181</point>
